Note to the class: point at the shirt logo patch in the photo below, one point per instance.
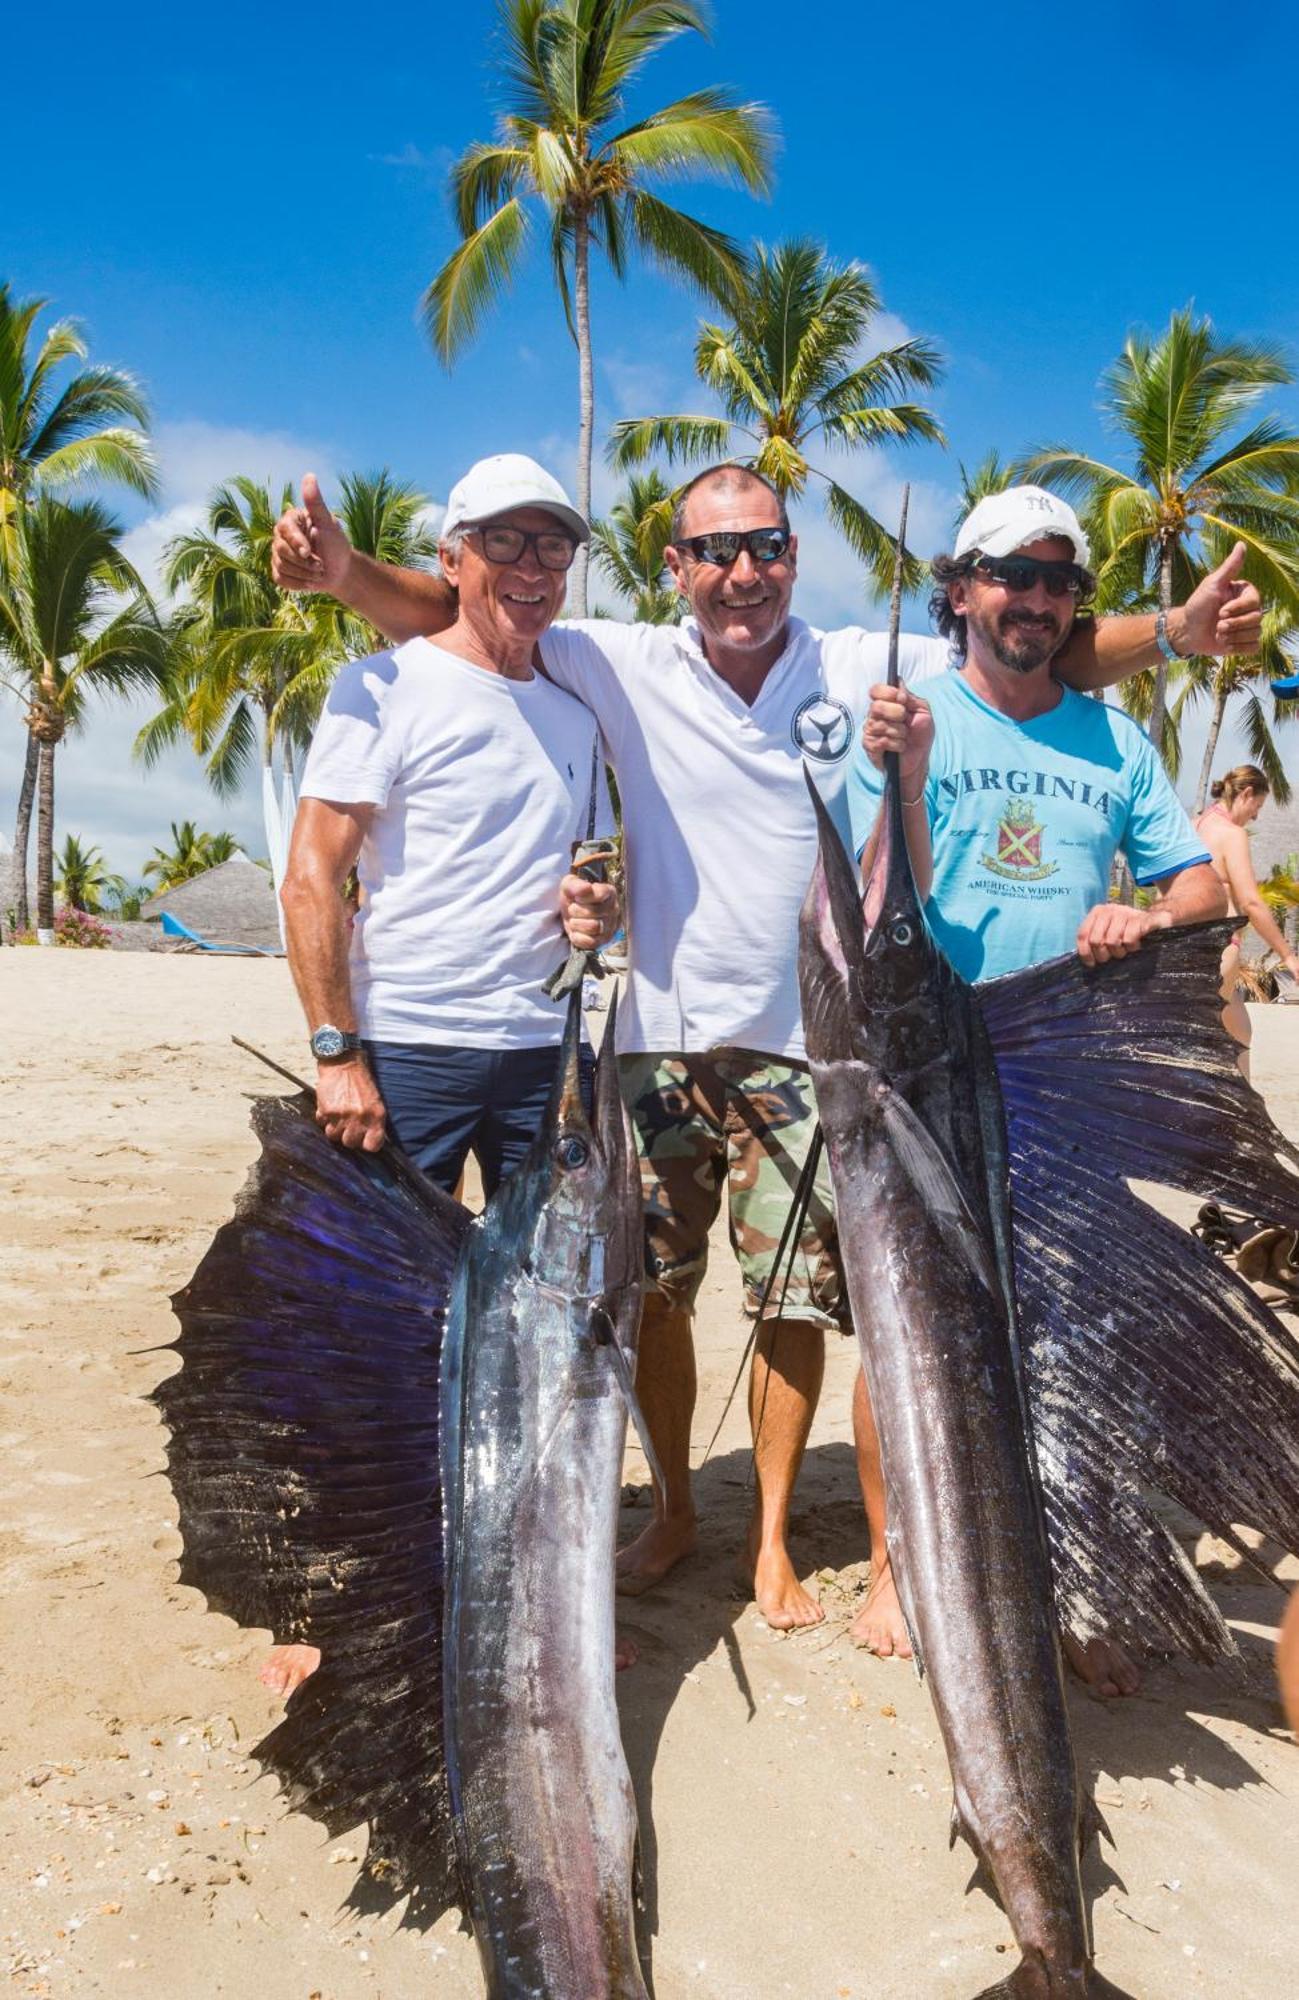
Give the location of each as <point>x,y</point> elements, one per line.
<point>1019,846</point>
<point>823,728</point>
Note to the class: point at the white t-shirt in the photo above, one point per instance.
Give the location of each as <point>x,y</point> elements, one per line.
<point>483,784</point>
<point>720,834</point>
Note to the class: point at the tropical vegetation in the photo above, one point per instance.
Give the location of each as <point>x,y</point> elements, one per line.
<point>82,879</point>
<point>75,619</point>
<point>561,147</point>
<point>1196,483</point>
<point>628,547</point>
<point>249,666</point>
<point>191,853</point>
<point>795,376</point>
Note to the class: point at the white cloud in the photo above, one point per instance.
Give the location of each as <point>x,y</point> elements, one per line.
<point>436,162</point>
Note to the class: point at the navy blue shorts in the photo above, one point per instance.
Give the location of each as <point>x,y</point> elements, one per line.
<point>445,1103</point>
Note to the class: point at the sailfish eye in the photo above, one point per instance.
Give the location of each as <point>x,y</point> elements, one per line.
<point>901,932</point>
<point>572,1151</point>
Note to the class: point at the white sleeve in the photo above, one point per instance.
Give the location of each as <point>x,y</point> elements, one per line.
<point>921,658</point>
<point>356,751</point>
<point>593,658</point>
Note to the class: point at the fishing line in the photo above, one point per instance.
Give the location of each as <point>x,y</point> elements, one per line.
<point>787,1250</point>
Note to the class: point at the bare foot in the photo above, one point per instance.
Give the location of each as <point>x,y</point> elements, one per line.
<point>625,1653</point>
<point>879,1626</point>
<point>777,1592</point>
<point>1102,1665</point>
<point>286,1667</point>
<point>655,1551</point>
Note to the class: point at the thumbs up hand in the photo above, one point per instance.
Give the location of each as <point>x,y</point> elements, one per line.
<point>1224,614</point>
<point>309,549</point>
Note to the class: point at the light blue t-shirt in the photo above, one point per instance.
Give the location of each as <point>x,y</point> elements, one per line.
<point>1026,818</point>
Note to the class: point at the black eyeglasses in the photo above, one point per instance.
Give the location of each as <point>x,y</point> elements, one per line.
<point>765,545</point>
<point>553,549</point>
<point>1021,573</point>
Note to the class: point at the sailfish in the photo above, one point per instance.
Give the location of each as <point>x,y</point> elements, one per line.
<point>1045,1353</point>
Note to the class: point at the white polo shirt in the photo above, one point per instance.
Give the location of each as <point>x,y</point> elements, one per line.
<point>720,834</point>
<point>482,784</point>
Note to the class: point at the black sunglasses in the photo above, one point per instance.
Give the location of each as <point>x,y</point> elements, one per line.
<point>1020,573</point>
<point>554,550</point>
<point>765,545</point>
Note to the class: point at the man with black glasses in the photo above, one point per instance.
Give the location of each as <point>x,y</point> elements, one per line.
<point>1017,794</point>
<point>709,726</point>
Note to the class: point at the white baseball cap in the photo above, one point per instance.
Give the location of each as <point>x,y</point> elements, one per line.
<point>496,485</point>
<point>1004,522</point>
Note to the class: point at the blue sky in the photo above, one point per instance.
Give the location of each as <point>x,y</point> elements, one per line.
<point>246,216</point>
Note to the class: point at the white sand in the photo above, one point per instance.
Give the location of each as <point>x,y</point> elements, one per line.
<point>794,1793</point>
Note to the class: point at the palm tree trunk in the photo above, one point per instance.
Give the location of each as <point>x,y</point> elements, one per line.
<point>586,400</point>
<point>45,846</point>
<point>1211,744</point>
<point>1159,704</point>
<point>22,835</point>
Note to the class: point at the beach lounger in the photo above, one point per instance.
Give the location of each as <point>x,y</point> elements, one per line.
<point>172,927</point>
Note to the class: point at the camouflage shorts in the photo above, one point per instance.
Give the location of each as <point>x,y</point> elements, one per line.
<point>745,1119</point>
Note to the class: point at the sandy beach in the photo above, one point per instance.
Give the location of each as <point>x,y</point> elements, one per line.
<point>793,1793</point>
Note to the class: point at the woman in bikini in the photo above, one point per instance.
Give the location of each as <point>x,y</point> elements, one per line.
<point>1237,801</point>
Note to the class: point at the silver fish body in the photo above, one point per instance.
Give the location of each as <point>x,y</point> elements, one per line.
<point>533,1424</point>
<point>906,1090</point>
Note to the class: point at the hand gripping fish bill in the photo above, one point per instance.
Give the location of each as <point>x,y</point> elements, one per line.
<point>397,1434</point>
<point>1043,1351</point>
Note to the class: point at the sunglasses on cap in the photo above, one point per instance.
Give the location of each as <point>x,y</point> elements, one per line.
<point>554,549</point>
<point>1021,573</point>
<point>765,545</point>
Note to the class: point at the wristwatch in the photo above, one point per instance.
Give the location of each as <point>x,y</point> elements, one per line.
<point>1162,640</point>
<point>328,1043</point>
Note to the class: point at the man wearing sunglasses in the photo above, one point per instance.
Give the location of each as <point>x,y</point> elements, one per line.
<point>1017,795</point>
<point>709,726</point>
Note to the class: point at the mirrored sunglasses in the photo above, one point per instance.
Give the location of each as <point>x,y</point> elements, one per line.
<point>764,545</point>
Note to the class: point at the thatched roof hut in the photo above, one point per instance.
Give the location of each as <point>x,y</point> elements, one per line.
<point>233,903</point>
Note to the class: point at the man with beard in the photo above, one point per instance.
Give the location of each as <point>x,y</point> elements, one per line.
<point>1017,794</point>
<point>710,726</point>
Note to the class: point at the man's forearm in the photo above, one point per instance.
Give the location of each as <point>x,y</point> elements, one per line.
<point>400,603</point>
<point>1101,651</point>
<point>316,933</point>
<point>1192,897</point>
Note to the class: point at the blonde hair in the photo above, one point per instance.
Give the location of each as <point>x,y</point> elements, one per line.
<point>1245,778</point>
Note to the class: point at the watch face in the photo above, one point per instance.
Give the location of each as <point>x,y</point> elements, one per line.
<point>328,1042</point>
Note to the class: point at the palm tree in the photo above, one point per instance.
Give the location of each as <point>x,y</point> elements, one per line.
<point>83,881</point>
<point>628,547</point>
<point>253,665</point>
<point>568,65</point>
<point>74,616</point>
<point>1222,681</point>
<point>790,376</point>
<point>1178,399</point>
<point>58,429</point>
<point>191,853</point>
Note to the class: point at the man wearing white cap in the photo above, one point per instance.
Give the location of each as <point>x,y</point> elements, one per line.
<point>1017,794</point>
<point>455,779</point>
<point>710,726</point>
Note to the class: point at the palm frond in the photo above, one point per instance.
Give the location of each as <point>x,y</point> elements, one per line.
<point>704,134</point>
<point>473,275</point>
<point>870,541</point>
<point>482,178</point>
<point>682,440</point>
<point>678,243</point>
